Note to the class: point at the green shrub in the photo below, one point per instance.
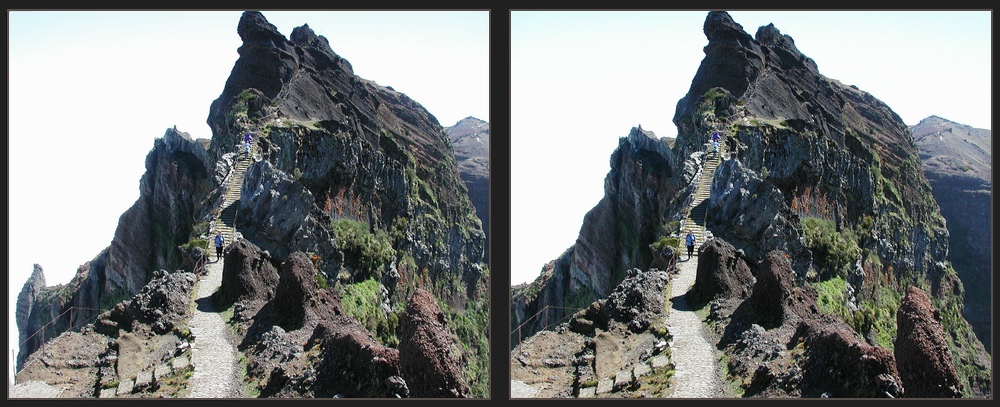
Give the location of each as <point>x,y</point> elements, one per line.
<point>877,315</point>
<point>362,302</point>
<point>321,281</point>
<point>399,228</point>
<point>470,326</point>
<point>665,241</point>
<point>832,251</point>
<point>886,303</point>
<point>831,297</point>
<point>672,227</point>
<point>369,252</point>
<point>195,242</point>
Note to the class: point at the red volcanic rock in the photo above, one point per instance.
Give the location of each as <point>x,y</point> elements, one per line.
<point>426,356</point>
<point>922,355</point>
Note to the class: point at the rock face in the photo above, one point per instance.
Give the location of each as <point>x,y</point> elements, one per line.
<point>922,350</point>
<point>750,211</point>
<point>343,148</point>
<point>832,151</point>
<point>148,237</point>
<point>352,203</point>
<point>642,185</point>
<point>822,194</point>
<point>471,139</point>
<point>958,164</point>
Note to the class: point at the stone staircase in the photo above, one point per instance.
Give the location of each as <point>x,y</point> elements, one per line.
<point>697,212</point>
<point>230,205</point>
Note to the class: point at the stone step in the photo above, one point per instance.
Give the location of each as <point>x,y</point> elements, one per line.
<point>227,217</point>
<point>699,206</point>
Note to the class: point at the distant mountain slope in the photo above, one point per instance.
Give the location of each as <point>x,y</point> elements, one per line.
<point>470,138</point>
<point>954,150</point>
<point>958,163</point>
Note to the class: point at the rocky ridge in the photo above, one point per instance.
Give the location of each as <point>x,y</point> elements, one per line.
<point>352,210</point>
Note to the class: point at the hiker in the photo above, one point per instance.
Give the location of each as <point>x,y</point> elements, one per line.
<point>715,143</point>
<point>246,145</point>
<point>219,243</point>
<point>689,239</point>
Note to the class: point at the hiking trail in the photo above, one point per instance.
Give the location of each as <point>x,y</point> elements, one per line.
<point>215,369</point>
<point>214,365</point>
<point>697,373</point>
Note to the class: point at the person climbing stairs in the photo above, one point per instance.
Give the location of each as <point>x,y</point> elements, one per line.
<point>226,222</point>
<point>698,210</point>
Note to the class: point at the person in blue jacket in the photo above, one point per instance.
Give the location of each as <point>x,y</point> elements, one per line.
<point>220,242</point>
<point>689,239</point>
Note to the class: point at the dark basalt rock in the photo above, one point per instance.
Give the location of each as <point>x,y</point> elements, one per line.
<point>639,300</point>
<point>296,292</point>
<point>161,304</point>
<point>773,289</point>
<point>248,274</point>
<point>722,273</point>
<point>636,303</point>
<point>839,364</point>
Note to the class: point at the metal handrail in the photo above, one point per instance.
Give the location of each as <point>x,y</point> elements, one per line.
<point>546,324</point>
<point>72,326</point>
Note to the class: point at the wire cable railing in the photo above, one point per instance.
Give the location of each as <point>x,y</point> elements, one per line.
<point>73,324</point>
<point>545,321</point>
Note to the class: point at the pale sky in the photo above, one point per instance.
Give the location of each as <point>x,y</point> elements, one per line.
<point>581,80</point>
<point>90,91</point>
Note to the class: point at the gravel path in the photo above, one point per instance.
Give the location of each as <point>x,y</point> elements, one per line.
<point>214,366</point>
<point>697,373</point>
